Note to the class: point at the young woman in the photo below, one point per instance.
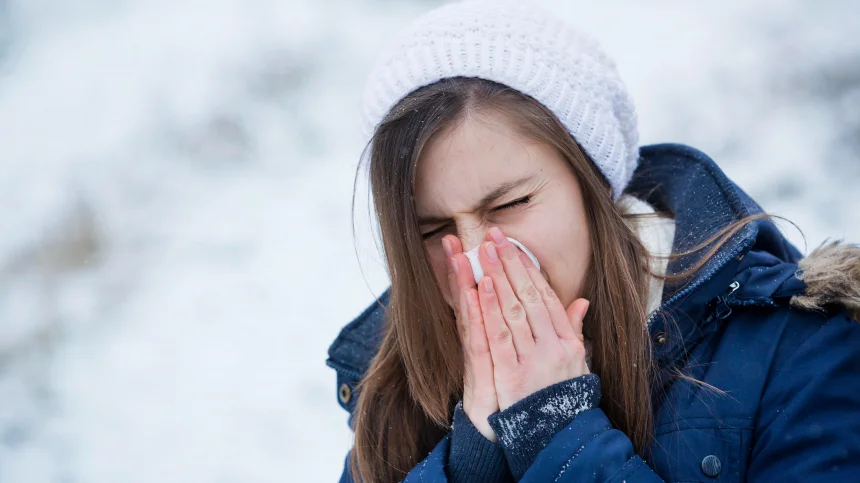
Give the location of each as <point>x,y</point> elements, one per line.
<point>670,332</point>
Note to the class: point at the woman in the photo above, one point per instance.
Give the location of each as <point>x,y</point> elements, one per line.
<point>670,333</point>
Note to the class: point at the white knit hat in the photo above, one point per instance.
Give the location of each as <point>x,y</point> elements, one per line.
<point>523,47</point>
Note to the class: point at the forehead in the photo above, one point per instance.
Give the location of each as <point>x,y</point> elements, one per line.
<point>458,167</point>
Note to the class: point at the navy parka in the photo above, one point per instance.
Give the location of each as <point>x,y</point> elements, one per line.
<point>787,400</point>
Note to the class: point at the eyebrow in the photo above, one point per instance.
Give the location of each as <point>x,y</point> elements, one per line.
<point>497,192</point>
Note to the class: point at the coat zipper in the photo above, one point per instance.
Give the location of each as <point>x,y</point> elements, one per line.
<point>698,282</point>
<point>723,310</point>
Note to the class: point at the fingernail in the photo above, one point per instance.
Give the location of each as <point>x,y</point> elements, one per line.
<point>491,252</point>
<point>488,285</point>
<point>446,245</point>
<point>497,236</point>
<point>455,266</point>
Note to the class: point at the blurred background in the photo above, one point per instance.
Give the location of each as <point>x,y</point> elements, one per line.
<point>176,250</point>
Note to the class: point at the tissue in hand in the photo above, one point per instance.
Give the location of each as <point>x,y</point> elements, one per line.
<point>478,272</point>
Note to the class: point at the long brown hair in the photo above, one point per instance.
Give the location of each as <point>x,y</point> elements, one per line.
<point>406,398</point>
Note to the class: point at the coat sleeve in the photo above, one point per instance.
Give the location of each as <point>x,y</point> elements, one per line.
<point>462,456</point>
<point>808,426</point>
<point>560,434</point>
<point>589,450</point>
<point>430,470</point>
<point>807,429</point>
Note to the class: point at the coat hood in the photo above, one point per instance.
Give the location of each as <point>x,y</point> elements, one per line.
<point>768,269</point>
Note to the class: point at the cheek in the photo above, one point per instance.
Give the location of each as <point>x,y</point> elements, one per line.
<point>438,262</point>
<point>569,260</point>
<point>581,258</point>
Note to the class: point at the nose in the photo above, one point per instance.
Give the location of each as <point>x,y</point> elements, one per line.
<point>472,238</point>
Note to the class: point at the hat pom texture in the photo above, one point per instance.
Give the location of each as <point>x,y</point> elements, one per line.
<point>526,48</point>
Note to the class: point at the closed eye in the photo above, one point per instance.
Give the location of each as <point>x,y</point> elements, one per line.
<point>513,204</point>
<point>521,201</point>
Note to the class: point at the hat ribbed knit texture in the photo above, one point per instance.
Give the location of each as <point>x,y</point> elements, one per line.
<point>526,48</point>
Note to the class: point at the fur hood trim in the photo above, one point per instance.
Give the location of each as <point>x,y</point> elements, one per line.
<point>832,277</point>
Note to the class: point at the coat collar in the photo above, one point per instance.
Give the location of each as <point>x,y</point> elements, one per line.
<point>687,183</point>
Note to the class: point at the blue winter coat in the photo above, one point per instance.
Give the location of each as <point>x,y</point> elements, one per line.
<point>768,329</point>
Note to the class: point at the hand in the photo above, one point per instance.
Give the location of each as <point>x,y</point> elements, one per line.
<point>534,341</point>
<point>479,391</point>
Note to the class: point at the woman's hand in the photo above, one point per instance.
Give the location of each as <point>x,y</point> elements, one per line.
<point>533,340</point>
<point>479,391</point>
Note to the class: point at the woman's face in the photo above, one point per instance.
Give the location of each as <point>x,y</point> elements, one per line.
<point>483,174</point>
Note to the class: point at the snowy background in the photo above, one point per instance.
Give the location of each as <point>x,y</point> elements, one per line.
<point>176,250</point>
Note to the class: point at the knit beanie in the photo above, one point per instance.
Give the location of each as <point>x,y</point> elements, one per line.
<point>523,47</point>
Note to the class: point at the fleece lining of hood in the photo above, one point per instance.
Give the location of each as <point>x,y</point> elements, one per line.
<point>656,234</point>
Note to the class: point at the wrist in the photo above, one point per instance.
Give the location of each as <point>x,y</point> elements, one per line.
<point>473,458</point>
<point>525,428</point>
<point>479,418</point>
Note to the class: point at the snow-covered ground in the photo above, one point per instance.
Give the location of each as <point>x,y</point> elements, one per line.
<point>176,181</point>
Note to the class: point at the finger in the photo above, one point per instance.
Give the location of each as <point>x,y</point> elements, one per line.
<point>479,373</point>
<point>576,314</point>
<point>515,272</point>
<point>457,298</point>
<point>499,335</point>
<point>458,302</point>
<point>459,278</point>
<point>479,347</point>
<point>512,309</point>
<point>557,313</point>
<point>465,279</point>
<point>455,243</point>
<point>480,359</point>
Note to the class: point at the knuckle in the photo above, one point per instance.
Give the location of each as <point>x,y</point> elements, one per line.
<point>516,311</point>
<point>551,299</point>
<point>477,348</point>
<point>503,335</point>
<point>530,294</point>
<point>475,352</point>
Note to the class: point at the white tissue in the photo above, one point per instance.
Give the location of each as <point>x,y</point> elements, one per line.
<point>478,272</point>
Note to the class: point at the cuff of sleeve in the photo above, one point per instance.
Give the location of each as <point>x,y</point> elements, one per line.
<point>526,428</point>
<point>473,458</point>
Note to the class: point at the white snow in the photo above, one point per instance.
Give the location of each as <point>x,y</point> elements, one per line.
<point>567,406</point>
<point>176,183</point>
